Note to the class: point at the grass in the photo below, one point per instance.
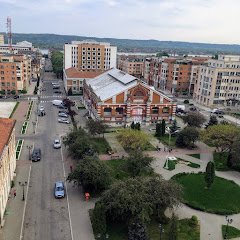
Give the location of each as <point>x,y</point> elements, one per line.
<point>220,160</point>
<point>222,197</point>
<point>232,232</point>
<point>193,165</point>
<point>24,127</point>
<point>18,148</point>
<point>165,139</point>
<point>118,231</point>
<point>101,145</point>
<point>14,109</point>
<point>172,164</point>
<point>197,155</point>
<point>29,110</point>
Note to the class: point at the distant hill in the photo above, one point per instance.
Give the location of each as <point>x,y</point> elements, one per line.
<point>129,45</point>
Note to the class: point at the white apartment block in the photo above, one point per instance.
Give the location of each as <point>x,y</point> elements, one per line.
<point>89,55</point>
<point>218,82</point>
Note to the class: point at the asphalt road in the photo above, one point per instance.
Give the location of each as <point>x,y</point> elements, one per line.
<point>47,218</point>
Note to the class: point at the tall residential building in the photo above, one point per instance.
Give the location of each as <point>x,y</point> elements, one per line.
<point>90,55</point>
<point>18,48</point>
<point>132,65</point>
<point>218,82</point>
<point>7,161</point>
<point>1,39</point>
<point>15,73</point>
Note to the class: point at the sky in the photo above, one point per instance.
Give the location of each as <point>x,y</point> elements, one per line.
<point>210,21</point>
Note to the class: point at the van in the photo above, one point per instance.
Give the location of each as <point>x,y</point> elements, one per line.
<point>57,102</point>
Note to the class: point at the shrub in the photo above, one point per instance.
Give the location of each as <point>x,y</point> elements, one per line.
<point>98,219</point>
<point>186,101</point>
<point>193,221</point>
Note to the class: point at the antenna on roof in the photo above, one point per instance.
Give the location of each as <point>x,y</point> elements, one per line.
<point>9,33</point>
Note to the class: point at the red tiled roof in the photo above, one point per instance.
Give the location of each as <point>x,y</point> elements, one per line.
<point>6,127</point>
<point>74,73</point>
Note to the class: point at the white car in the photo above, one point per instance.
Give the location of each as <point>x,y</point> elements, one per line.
<point>41,108</point>
<point>57,143</point>
<point>63,120</point>
<point>63,115</point>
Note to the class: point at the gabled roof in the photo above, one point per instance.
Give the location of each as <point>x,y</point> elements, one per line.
<point>74,73</point>
<point>6,127</point>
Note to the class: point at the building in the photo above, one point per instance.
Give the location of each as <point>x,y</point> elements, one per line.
<point>1,39</point>
<point>120,99</point>
<point>15,73</point>
<point>89,55</point>
<point>7,161</point>
<point>73,79</point>
<point>18,48</point>
<point>132,65</point>
<point>218,82</point>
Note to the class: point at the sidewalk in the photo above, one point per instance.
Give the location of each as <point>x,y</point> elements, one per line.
<point>15,205</point>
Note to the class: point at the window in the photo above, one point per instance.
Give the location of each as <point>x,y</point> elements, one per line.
<point>119,110</point>
<point>155,110</point>
<point>165,110</point>
<point>107,112</point>
<point>13,84</point>
<point>2,72</point>
<point>3,84</point>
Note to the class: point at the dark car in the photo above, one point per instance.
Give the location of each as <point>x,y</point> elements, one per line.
<point>16,97</point>
<point>61,106</point>
<point>58,92</point>
<point>36,155</point>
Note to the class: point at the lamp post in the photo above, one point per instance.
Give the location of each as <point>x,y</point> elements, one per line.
<point>29,147</point>
<point>229,221</point>
<point>161,230</point>
<point>23,184</point>
<point>34,127</point>
<point>169,139</point>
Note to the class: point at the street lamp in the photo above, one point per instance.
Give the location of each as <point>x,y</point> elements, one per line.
<point>29,147</point>
<point>23,184</point>
<point>34,127</point>
<point>161,230</point>
<point>229,221</point>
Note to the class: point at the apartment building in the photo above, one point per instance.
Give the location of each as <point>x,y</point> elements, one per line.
<point>218,82</point>
<point>18,48</point>
<point>1,39</point>
<point>132,65</point>
<point>90,55</point>
<point>15,73</point>
<point>7,161</point>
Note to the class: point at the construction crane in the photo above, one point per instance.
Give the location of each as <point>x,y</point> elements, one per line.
<point>9,33</point>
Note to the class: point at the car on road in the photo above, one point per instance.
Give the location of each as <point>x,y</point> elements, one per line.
<point>58,92</point>
<point>16,97</point>
<point>217,111</point>
<point>57,102</point>
<point>36,155</point>
<point>63,120</point>
<point>56,143</point>
<point>61,106</point>
<point>63,115</point>
<point>59,189</point>
<point>63,111</point>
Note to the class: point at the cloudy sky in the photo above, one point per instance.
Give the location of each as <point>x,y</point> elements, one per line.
<point>211,21</point>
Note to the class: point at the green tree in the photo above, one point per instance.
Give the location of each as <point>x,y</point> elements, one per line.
<point>158,130</point>
<point>137,230</point>
<point>173,229</point>
<point>212,121</point>
<point>210,174</point>
<point>187,137</point>
<point>194,119</point>
<point>131,139</point>
<point>96,127</point>
<point>98,219</point>
<point>233,160</point>
<point>137,162</point>
<point>57,63</point>
<point>174,126</point>
<point>132,126</point>
<point>70,93</point>
<point>163,127</point>
<point>92,174</point>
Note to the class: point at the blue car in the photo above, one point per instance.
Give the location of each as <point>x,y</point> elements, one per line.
<point>59,190</point>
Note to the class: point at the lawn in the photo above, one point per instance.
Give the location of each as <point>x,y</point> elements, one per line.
<point>165,140</point>
<point>220,160</point>
<point>14,109</point>
<point>222,198</point>
<point>101,145</point>
<point>185,231</point>
<point>197,155</point>
<point>232,232</point>
<point>172,164</point>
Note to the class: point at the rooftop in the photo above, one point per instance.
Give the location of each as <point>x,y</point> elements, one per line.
<point>6,127</point>
<point>74,73</point>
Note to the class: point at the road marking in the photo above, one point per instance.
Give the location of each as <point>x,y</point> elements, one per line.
<point>25,203</point>
<point>69,214</point>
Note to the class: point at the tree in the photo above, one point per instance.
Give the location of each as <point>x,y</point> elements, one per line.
<point>194,119</point>
<point>174,126</point>
<point>98,219</point>
<point>137,162</point>
<point>35,90</point>
<point>158,130</point>
<point>210,174</point>
<point>173,229</point>
<point>131,139</point>
<point>92,174</point>
<point>212,121</point>
<point>137,230</point>
<point>140,197</point>
<point>70,93</point>
<point>132,126</point>
<point>233,160</point>
<point>57,63</point>
<point>187,137</point>
<point>163,127</point>
<point>221,136</point>
<point>96,127</point>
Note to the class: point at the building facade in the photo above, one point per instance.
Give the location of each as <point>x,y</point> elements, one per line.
<point>218,82</point>
<point>7,161</point>
<point>120,99</point>
<point>15,73</point>
<point>89,55</point>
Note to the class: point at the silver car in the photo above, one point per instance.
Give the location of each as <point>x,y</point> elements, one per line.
<point>63,120</point>
<point>59,189</point>
<point>56,143</point>
<point>63,115</point>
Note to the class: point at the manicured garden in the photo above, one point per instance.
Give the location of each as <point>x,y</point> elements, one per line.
<point>232,232</point>
<point>172,164</point>
<point>19,148</point>
<point>29,111</point>
<point>24,127</point>
<point>101,145</point>
<point>221,198</point>
<point>220,160</point>
<point>196,155</point>
<point>165,140</point>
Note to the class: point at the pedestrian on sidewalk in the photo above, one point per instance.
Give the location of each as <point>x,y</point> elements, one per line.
<point>71,168</point>
<point>14,193</point>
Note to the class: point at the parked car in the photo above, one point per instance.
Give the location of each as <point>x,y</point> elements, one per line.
<point>58,92</point>
<point>16,97</point>
<point>36,155</point>
<point>63,111</point>
<point>63,120</point>
<point>61,106</point>
<point>57,143</point>
<point>63,115</point>
<point>57,102</point>
<point>59,189</point>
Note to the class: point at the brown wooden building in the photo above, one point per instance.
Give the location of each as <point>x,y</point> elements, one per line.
<point>119,99</point>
